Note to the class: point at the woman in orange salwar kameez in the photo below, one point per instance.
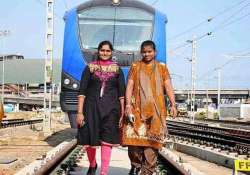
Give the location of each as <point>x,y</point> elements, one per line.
<point>147,81</point>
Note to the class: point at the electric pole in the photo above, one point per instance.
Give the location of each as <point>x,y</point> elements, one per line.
<point>193,77</point>
<point>232,58</point>
<point>48,66</point>
<point>219,89</point>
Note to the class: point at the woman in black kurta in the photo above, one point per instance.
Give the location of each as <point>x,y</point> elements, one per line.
<point>100,107</point>
<point>101,113</point>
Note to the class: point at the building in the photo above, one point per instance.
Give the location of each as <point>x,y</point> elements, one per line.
<point>11,57</point>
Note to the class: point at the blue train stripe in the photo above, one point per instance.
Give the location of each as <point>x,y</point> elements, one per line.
<point>159,35</point>
<point>73,61</point>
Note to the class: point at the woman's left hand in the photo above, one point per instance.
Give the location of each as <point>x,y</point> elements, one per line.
<point>173,111</point>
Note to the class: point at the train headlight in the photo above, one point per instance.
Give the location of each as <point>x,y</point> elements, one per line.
<point>66,81</point>
<point>114,58</point>
<point>116,2</point>
<point>75,85</point>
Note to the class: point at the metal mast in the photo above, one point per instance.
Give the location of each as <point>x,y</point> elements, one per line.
<point>193,77</point>
<point>219,91</point>
<point>48,66</point>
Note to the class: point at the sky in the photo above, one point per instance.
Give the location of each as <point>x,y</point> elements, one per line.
<point>229,24</point>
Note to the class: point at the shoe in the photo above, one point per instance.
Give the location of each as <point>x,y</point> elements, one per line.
<point>92,170</point>
<point>134,171</point>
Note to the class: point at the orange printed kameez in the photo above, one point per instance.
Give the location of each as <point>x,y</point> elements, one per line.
<point>148,105</point>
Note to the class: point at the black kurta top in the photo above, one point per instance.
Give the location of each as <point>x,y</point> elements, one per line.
<point>102,86</point>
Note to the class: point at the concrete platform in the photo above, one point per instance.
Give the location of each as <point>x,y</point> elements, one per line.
<point>205,160</point>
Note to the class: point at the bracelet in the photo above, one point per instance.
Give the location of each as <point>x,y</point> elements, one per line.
<point>80,113</point>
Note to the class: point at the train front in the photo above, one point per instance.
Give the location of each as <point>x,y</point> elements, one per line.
<point>125,23</point>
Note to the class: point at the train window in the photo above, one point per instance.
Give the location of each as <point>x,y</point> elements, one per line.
<point>125,27</point>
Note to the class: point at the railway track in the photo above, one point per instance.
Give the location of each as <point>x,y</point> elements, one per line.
<point>71,165</point>
<point>227,123</point>
<point>67,159</point>
<point>231,140</point>
<point>11,120</point>
<point>18,122</point>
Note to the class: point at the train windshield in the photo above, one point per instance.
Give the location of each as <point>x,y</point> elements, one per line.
<point>125,27</point>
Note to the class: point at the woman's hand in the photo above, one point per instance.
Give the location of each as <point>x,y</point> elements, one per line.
<point>120,122</point>
<point>128,110</point>
<point>79,119</point>
<point>173,111</point>
<point>121,118</point>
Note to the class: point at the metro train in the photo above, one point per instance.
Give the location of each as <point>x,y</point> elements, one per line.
<point>125,23</point>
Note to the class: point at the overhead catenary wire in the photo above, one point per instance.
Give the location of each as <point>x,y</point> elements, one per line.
<point>230,17</point>
<point>179,54</point>
<point>205,21</point>
<point>224,64</point>
<point>244,55</point>
<point>188,30</point>
<point>232,22</point>
<point>180,46</point>
<point>185,44</point>
<point>229,8</point>
<point>241,52</point>
<point>213,31</point>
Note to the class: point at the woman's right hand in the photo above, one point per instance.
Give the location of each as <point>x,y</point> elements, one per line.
<point>128,110</point>
<point>79,119</point>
